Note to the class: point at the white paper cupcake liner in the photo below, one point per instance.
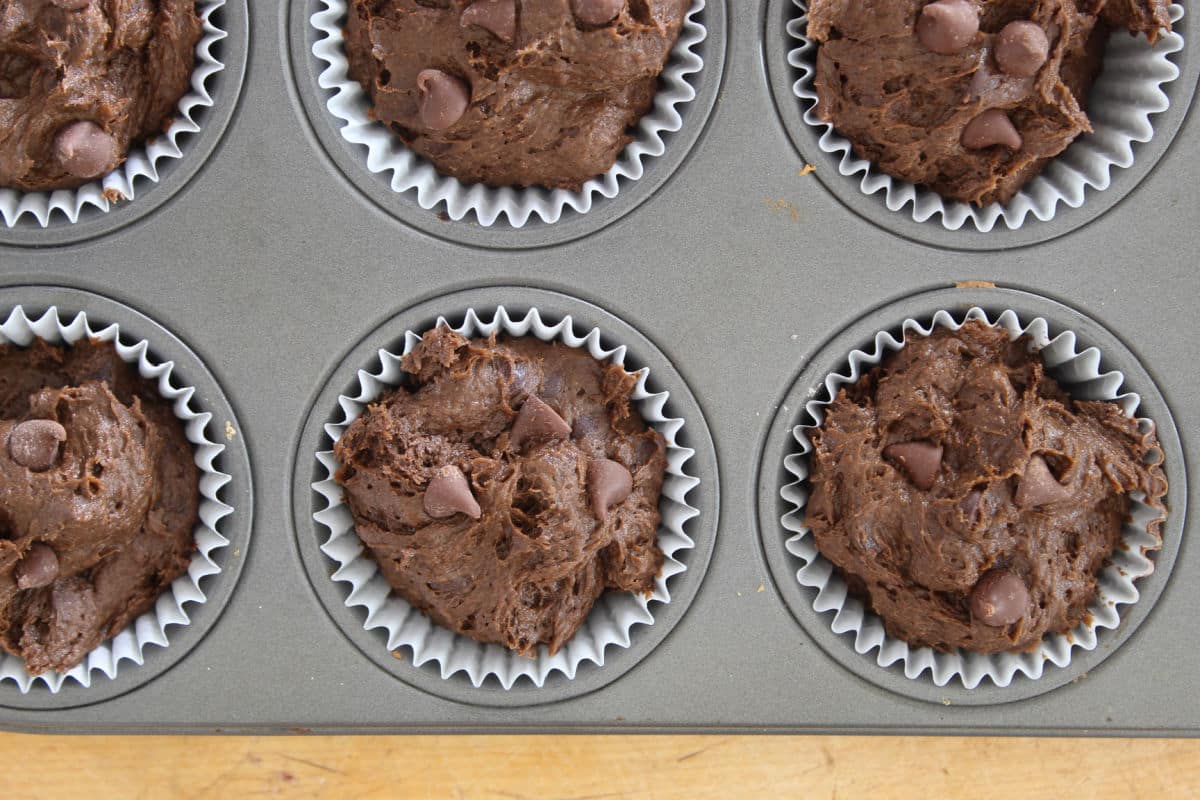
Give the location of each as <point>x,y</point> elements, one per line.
<point>151,627</point>
<point>1078,371</point>
<point>385,152</point>
<point>611,620</point>
<point>1123,99</point>
<point>143,159</point>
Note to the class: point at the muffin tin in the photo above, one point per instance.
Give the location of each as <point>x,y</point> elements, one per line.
<point>277,270</point>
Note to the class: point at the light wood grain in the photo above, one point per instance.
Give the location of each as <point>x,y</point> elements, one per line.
<point>595,767</point>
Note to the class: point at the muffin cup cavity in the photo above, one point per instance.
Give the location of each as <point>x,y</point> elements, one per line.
<point>144,160</point>
<point>384,151</point>
<point>1123,99</point>
<point>170,609</point>
<point>1077,371</point>
<point>612,619</point>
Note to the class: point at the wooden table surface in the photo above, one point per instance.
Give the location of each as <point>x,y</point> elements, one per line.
<point>595,767</point>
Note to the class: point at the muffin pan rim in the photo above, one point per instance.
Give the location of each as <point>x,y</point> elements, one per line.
<point>641,351</point>
<point>175,174</point>
<point>789,111</point>
<point>236,527</point>
<point>308,98</point>
<point>829,356</point>
<point>269,269</point>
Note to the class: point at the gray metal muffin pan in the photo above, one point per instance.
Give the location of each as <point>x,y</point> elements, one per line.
<point>278,274</point>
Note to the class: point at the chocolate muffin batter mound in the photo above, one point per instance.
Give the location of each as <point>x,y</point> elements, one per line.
<point>967,498</point>
<point>529,553</point>
<point>113,70</point>
<point>549,101</point>
<point>908,109</point>
<point>88,542</point>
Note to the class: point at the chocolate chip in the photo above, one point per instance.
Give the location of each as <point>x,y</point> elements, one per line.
<point>537,421</point>
<point>969,505</point>
<point>34,443</point>
<point>920,461</point>
<point>444,98</point>
<point>1039,486</point>
<point>947,26</point>
<point>498,17</point>
<point>1021,48</point>
<point>74,604</point>
<point>449,493</point>
<point>990,127</point>
<point>85,150</point>
<point>38,567</point>
<point>589,425</point>
<point>999,598</point>
<point>596,12</point>
<point>72,5</point>
<point>609,483</point>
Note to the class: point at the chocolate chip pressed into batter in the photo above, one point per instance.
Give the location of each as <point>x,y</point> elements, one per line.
<point>99,495</point>
<point>508,93</point>
<point>507,488</point>
<point>967,498</point>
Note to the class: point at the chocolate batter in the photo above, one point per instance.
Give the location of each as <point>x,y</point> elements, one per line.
<point>971,98</point>
<point>506,93</point>
<point>98,497</point>
<point>968,498</point>
<point>506,491</point>
<point>81,81</point>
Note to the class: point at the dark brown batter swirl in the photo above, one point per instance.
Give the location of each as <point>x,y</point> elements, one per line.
<point>119,64</point>
<point>116,508</point>
<point>527,570</point>
<point>552,107</point>
<point>916,554</point>
<point>905,107</point>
